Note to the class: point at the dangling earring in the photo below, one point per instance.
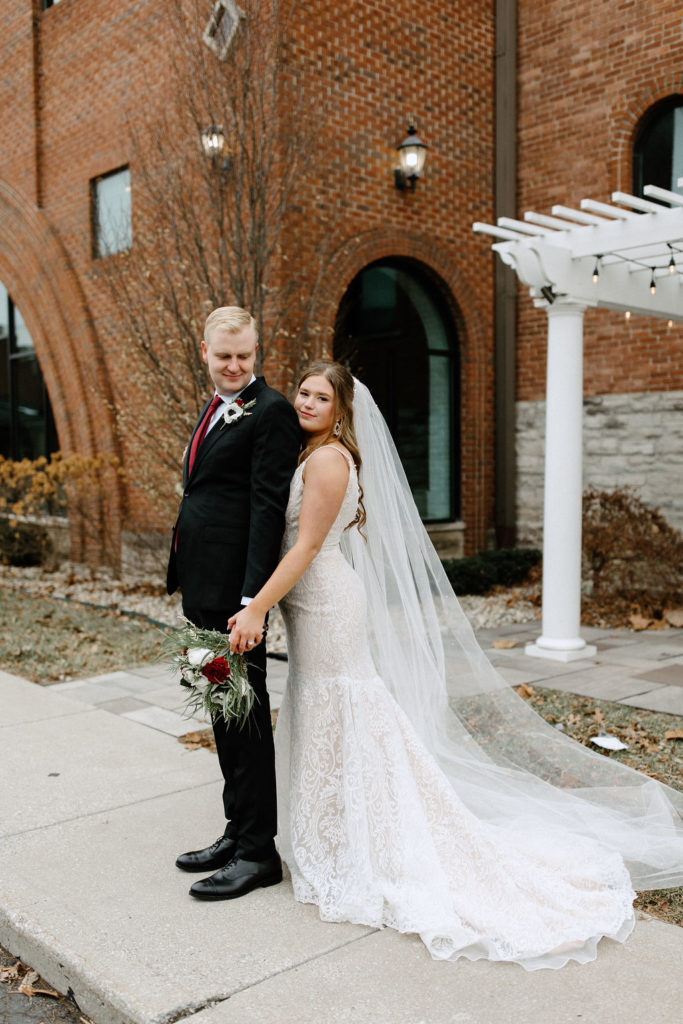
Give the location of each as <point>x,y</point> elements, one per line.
<point>337,428</point>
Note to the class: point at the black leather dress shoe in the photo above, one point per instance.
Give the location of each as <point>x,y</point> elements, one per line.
<point>237,878</point>
<point>215,856</point>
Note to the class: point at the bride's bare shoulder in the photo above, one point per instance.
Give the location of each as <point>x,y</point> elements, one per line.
<point>323,457</point>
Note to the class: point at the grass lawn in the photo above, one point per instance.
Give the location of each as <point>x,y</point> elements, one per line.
<point>50,641</point>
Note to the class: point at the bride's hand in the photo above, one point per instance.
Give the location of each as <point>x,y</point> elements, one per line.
<point>246,630</point>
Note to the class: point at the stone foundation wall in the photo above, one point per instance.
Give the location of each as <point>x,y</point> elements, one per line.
<point>629,439</point>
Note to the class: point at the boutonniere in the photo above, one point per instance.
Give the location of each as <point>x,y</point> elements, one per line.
<point>234,411</point>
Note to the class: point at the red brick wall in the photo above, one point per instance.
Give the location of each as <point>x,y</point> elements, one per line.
<point>72,76</point>
<point>367,68</point>
<point>372,67</point>
<point>588,72</point>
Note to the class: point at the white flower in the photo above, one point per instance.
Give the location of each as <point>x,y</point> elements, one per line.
<point>200,656</point>
<point>189,674</point>
<point>232,412</point>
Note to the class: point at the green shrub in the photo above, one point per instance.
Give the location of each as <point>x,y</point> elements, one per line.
<point>479,573</point>
<point>23,543</point>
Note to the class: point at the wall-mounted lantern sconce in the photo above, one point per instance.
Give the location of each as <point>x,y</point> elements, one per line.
<point>214,144</point>
<point>411,157</point>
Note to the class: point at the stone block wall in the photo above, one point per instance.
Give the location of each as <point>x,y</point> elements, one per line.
<point>633,440</point>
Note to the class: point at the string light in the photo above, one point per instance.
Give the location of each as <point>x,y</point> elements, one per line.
<point>670,324</point>
<point>627,314</point>
<point>672,265</point>
<point>596,270</point>
<point>653,286</point>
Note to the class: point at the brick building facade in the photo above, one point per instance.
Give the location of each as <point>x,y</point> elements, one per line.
<point>590,75</point>
<point>405,289</point>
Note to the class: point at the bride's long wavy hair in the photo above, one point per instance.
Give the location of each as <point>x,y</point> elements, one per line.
<point>341,381</point>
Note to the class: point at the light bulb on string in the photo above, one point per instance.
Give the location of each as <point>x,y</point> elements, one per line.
<point>653,286</point>
<point>670,324</point>
<point>672,265</point>
<point>596,270</point>
<point>627,314</point>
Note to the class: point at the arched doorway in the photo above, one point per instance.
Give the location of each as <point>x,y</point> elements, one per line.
<point>658,146</point>
<point>396,332</point>
<point>27,426</point>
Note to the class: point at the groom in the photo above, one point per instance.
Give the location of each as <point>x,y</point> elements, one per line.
<point>226,543</point>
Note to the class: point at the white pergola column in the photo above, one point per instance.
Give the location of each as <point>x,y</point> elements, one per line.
<point>562,507</point>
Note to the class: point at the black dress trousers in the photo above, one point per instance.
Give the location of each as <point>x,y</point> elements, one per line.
<point>246,756</point>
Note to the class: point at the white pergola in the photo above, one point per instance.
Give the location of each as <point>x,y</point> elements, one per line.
<point>625,255</point>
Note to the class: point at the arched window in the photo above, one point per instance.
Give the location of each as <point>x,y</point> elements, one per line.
<point>396,332</point>
<point>658,147</point>
<point>27,427</point>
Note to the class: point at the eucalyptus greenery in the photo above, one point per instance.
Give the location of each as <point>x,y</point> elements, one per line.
<point>216,678</point>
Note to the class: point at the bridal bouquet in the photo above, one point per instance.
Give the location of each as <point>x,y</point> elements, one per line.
<point>217,680</point>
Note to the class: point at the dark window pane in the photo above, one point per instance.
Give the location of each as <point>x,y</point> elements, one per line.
<point>27,428</point>
<point>5,412</point>
<point>29,404</point>
<point>658,150</point>
<point>396,334</point>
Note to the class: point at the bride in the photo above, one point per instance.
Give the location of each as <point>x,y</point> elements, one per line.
<point>415,788</point>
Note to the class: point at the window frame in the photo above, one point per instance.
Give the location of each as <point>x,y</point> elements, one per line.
<point>94,214</point>
<point>449,357</point>
<point>645,126</point>
<point>211,32</point>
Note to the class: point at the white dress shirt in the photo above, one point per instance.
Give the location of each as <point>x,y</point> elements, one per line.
<point>227,399</point>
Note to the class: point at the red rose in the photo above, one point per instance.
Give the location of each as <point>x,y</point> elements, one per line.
<point>217,671</point>
<point>239,401</point>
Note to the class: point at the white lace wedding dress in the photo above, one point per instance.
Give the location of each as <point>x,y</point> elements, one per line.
<point>370,827</point>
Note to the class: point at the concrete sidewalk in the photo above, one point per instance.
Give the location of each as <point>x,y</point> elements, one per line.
<point>98,798</point>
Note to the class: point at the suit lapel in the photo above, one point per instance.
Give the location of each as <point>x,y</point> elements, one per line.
<point>219,431</point>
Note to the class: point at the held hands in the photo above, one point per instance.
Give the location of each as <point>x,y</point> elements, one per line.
<point>246,629</point>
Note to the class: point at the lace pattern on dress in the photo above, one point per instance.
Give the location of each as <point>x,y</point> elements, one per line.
<point>370,827</point>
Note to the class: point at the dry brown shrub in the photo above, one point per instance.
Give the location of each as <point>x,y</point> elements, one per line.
<point>632,558</point>
<point>35,491</point>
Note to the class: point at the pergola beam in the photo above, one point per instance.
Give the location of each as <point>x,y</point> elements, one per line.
<point>663,194</point>
<point>605,210</point>
<point>615,257</point>
<point>635,202</point>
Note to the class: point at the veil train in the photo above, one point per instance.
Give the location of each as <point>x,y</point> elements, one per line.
<point>503,760</point>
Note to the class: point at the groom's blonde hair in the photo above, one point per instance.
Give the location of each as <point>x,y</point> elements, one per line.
<point>231,319</point>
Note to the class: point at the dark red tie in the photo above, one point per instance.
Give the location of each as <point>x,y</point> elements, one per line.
<point>201,431</point>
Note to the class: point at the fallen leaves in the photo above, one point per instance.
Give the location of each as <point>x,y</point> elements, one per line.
<point>674,616</point>
<point>29,981</point>
<point>639,622</point>
<point>524,690</point>
<point>652,737</point>
<point>504,645</point>
<point>197,740</point>
<point>9,974</point>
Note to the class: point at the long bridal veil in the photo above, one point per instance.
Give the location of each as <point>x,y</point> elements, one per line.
<point>503,760</point>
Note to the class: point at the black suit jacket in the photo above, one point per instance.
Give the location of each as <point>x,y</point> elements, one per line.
<point>232,515</point>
